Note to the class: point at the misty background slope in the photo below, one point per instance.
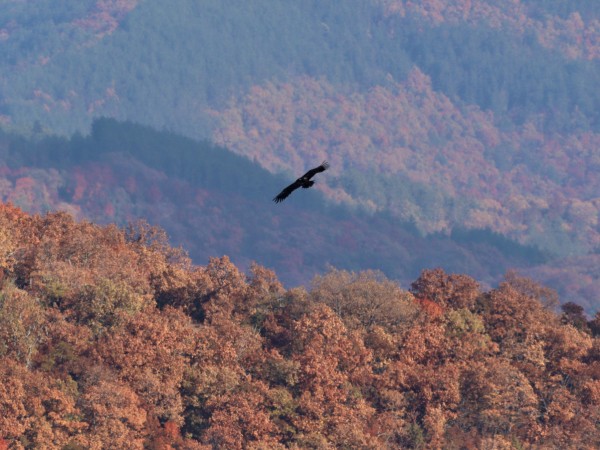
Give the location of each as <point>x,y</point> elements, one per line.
<point>457,130</point>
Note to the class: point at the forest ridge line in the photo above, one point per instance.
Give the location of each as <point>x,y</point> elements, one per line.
<point>112,335</point>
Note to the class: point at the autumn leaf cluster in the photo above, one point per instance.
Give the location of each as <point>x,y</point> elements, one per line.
<point>110,337</point>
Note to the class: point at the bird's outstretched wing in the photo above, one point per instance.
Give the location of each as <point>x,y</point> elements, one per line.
<point>287,191</point>
<point>311,173</point>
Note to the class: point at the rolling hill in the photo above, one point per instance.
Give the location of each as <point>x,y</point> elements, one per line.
<point>113,338</point>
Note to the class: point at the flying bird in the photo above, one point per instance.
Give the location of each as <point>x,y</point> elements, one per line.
<point>304,182</point>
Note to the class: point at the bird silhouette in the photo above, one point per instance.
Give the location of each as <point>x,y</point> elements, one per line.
<point>304,182</point>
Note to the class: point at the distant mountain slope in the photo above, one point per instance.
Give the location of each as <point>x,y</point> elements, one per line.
<point>64,66</point>
<point>34,33</point>
<point>408,150</point>
<point>215,202</point>
<point>573,27</point>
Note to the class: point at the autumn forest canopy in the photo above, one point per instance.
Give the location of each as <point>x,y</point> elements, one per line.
<point>438,287</point>
<point>111,335</point>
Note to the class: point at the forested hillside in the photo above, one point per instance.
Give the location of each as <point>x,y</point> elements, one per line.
<point>111,337</point>
<point>64,65</point>
<point>409,150</point>
<point>214,203</point>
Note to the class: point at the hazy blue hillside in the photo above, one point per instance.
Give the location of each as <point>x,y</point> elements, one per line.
<point>163,64</point>
<point>167,62</point>
<point>215,202</point>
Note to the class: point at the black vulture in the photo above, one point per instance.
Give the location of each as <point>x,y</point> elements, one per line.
<point>304,182</point>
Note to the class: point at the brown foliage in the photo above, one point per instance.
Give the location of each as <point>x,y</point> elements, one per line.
<point>152,350</point>
<point>454,291</point>
<point>114,412</point>
<point>114,339</point>
<point>364,299</point>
